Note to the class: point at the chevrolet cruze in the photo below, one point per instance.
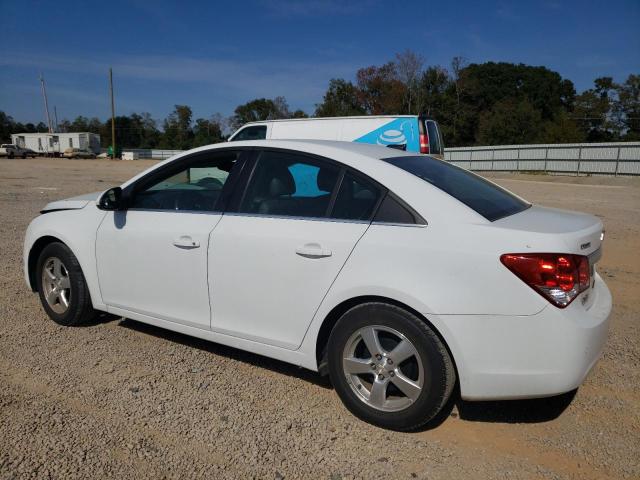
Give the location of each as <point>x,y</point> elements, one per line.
<point>399,275</point>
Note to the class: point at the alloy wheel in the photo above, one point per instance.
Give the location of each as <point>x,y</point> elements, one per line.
<point>383,368</point>
<point>56,285</point>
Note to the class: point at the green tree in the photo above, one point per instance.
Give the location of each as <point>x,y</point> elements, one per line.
<point>6,127</point>
<point>260,109</point>
<point>340,100</point>
<point>562,129</point>
<point>628,107</point>
<point>510,121</point>
<point>592,112</point>
<point>206,132</point>
<point>178,133</point>
<point>80,124</point>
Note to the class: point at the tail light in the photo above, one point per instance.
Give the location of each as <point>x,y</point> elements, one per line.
<point>559,278</point>
<point>424,142</point>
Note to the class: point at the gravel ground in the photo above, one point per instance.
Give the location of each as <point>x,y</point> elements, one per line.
<point>126,400</point>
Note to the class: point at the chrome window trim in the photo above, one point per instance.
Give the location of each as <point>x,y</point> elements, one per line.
<point>173,210</point>
<point>393,224</point>
<point>292,217</point>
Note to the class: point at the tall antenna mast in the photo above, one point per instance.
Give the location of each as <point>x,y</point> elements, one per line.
<point>46,104</point>
<point>113,117</point>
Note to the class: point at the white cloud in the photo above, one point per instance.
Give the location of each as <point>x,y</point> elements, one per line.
<point>299,82</point>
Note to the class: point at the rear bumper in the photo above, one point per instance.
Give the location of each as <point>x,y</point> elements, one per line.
<point>511,357</point>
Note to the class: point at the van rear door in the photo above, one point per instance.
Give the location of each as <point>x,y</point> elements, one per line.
<point>431,138</point>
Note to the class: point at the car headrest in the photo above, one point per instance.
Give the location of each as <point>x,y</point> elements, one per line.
<point>282,183</point>
<point>326,179</point>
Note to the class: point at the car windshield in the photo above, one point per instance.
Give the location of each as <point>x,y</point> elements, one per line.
<point>486,198</point>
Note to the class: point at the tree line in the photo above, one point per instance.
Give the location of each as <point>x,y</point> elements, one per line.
<point>475,104</point>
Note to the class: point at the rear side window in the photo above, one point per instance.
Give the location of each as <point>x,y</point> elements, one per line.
<point>290,185</point>
<point>394,211</point>
<point>356,199</point>
<point>486,198</point>
<point>259,132</point>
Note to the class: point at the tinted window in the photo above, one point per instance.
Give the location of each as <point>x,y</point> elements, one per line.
<point>259,132</point>
<point>486,198</point>
<point>194,187</point>
<point>356,199</point>
<point>393,211</point>
<point>289,184</point>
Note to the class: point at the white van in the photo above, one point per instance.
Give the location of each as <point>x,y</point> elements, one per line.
<point>413,133</point>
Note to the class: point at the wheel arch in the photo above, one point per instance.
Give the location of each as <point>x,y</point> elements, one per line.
<point>34,254</point>
<point>336,312</point>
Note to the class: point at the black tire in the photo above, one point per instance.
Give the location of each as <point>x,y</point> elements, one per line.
<point>24,155</point>
<point>80,309</point>
<point>439,373</point>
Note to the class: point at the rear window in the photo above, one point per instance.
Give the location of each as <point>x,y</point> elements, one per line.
<point>486,198</point>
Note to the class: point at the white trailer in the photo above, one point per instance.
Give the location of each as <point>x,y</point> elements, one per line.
<point>56,143</point>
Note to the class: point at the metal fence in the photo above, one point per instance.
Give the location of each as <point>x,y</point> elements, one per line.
<point>144,153</point>
<point>619,158</point>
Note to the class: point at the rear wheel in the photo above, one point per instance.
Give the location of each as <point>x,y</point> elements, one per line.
<point>62,288</point>
<point>388,367</point>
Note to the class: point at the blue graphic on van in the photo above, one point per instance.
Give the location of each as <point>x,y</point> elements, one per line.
<point>401,131</point>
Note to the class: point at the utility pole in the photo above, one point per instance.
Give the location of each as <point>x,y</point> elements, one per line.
<point>46,104</point>
<point>113,117</point>
<point>55,116</point>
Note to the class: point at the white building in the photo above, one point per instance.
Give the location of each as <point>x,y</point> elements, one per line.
<point>57,143</point>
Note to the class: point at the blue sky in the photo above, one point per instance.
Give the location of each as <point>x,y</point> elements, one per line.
<point>216,55</point>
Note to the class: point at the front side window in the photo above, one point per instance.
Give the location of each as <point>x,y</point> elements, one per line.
<point>258,132</point>
<point>483,196</point>
<point>196,187</point>
<point>291,185</point>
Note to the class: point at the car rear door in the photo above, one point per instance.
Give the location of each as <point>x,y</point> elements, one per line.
<point>273,258</point>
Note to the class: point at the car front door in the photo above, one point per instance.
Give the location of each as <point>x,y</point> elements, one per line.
<point>152,257</point>
<point>274,257</point>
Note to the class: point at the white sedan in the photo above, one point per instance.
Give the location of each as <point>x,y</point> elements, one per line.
<point>397,274</point>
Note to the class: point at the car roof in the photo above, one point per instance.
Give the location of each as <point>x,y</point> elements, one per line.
<point>378,152</point>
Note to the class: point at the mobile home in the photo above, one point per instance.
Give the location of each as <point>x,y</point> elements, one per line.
<point>56,143</point>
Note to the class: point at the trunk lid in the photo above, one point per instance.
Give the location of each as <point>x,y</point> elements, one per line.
<point>580,232</point>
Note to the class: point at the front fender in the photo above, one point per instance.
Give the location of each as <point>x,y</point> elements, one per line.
<point>77,230</point>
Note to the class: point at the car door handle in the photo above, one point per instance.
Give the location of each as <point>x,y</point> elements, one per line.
<point>313,250</point>
<point>185,241</point>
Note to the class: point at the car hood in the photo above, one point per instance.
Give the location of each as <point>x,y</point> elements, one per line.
<point>73,203</point>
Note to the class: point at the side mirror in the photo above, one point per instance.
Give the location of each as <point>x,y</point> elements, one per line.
<point>111,200</point>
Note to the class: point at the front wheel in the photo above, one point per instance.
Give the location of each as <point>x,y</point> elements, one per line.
<point>388,367</point>
<point>62,288</point>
